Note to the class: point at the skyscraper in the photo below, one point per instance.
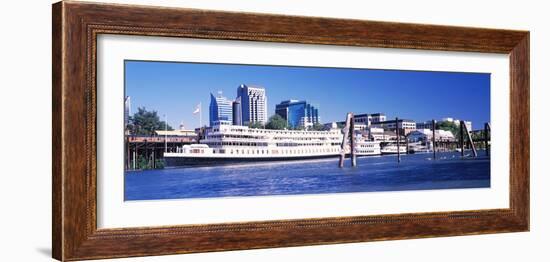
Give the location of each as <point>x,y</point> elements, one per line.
<point>253,104</point>
<point>237,112</point>
<point>221,109</point>
<point>298,113</point>
<point>127,110</point>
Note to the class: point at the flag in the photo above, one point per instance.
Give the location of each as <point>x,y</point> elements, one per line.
<point>197,109</point>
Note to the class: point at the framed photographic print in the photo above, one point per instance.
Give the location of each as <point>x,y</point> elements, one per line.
<point>181,130</point>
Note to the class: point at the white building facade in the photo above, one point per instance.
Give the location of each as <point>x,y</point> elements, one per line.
<point>253,104</point>
<point>424,135</point>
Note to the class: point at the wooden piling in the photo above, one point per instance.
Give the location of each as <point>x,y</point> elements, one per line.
<point>433,138</point>
<point>398,139</point>
<point>147,153</point>
<point>127,144</point>
<point>406,145</point>
<point>486,138</point>
<point>344,140</point>
<point>353,156</point>
<point>135,155</point>
<point>461,140</point>
<point>470,141</point>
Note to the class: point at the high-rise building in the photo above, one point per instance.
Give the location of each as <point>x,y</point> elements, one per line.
<point>253,104</point>
<point>221,109</point>
<point>127,108</point>
<point>298,113</point>
<point>237,112</point>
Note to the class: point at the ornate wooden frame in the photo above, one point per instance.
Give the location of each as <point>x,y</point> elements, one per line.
<point>76,26</point>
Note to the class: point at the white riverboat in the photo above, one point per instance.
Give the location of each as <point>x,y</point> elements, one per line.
<point>367,148</point>
<point>225,143</point>
<point>391,148</point>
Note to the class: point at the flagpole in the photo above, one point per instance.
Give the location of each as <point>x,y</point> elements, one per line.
<point>165,133</point>
<point>200,114</point>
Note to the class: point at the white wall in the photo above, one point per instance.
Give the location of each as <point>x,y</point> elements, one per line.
<point>25,84</point>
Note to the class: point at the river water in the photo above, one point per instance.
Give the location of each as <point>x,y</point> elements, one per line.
<point>375,173</point>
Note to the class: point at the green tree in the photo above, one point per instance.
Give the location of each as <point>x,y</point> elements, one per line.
<point>255,125</point>
<point>449,126</point>
<point>455,129</point>
<point>480,135</point>
<point>145,122</point>
<point>276,122</point>
<point>318,127</point>
<point>298,128</point>
<point>142,163</point>
<point>159,164</point>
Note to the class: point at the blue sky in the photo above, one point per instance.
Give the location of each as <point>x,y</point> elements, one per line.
<point>175,88</point>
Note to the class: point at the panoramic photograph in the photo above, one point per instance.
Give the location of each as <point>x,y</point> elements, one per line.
<point>209,130</point>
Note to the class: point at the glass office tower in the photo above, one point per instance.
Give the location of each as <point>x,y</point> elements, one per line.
<point>220,109</point>
<point>298,113</point>
<point>237,112</point>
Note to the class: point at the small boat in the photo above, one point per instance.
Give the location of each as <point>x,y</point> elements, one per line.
<point>416,148</point>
